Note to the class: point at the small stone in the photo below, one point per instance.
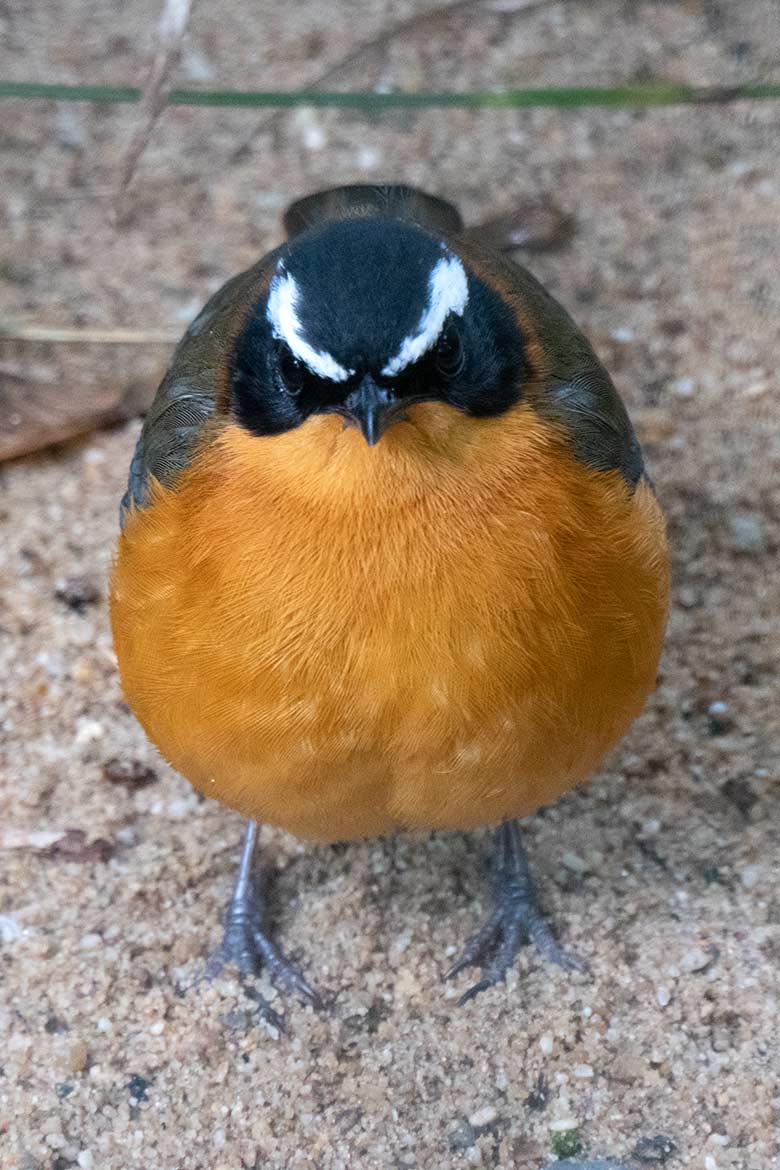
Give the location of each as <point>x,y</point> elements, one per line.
<point>574,862</point>
<point>746,532</point>
<point>564,1124</point>
<point>157,1028</point>
<point>689,597</point>
<point>131,773</point>
<point>720,720</point>
<point>85,1160</point>
<point>10,930</point>
<point>741,794</point>
<point>462,1137</point>
<point>663,995</point>
<point>89,731</point>
<point>540,1094</point>
<point>627,1068</point>
<point>695,960</point>
<point>75,846</point>
<point>750,877</point>
<point>683,387</point>
<point>81,671</point>
<point>137,1086</point>
<point>484,1117</point>
<point>76,1057</point>
<point>654,1150</point>
<point>546,1043</point>
<point>89,942</point>
<point>624,334</point>
<point>77,592</point>
<point>583,1071</point>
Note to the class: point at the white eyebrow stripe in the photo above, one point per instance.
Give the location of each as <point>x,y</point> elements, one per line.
<point>448,292</point>
<point>282,300</point>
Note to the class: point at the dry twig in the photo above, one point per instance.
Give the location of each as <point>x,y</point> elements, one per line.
<point>171,29</point>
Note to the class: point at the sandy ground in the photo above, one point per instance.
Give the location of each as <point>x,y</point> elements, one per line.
<point>661,874</point>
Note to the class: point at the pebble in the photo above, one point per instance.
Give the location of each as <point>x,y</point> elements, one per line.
<point>462,1136</point>
<point>88,731</point>
<point>746,532</point>
<point>77,592</point>
<point>130,773</point>
<point>85,1160</point>
<point>81,670</point>
<point>10,929</point>
<point>663,995</point>
<point>688,597</point>
<point>564,1124</point>
<point>76,1057</point>
<point>654,1150</point>
<point>695,959</point>
<point>683,387</point>
<point>750,877</point>
<point>574,862</point>
<point>483,1117</point>
<point>546,1043</point>
<point>89,942</point>
<point>583,1071</point>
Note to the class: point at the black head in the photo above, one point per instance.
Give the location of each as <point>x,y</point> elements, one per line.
<point>364,317</point>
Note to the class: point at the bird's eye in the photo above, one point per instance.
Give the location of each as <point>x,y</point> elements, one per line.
<point>290,370</point>
<point>450,357</point>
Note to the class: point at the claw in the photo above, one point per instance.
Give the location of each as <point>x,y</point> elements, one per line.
<point>516,918</point>
<point>246,945</point>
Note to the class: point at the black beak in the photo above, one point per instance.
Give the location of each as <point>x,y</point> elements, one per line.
<point>372,408</point>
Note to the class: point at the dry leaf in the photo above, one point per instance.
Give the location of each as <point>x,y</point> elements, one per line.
<point>536,225</point>
<point>35,415</point>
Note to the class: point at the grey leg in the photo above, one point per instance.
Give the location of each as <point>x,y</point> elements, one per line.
<point>516,918</point>
<point>246,943</point>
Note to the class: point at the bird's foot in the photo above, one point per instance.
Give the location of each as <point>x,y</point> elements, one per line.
<point>516,918</point>
<point>247,946</point>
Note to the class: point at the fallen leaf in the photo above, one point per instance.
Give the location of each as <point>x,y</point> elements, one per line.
<point>535,225</point>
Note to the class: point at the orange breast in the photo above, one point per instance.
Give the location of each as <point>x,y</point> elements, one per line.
<point>446,629</point>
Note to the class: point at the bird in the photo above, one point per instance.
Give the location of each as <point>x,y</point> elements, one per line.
<point>389,556</point>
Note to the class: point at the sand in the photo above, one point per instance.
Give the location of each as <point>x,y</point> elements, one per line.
<point>661,873</point>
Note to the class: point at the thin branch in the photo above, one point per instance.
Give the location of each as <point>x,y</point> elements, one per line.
<point>11,331</point>
<point>155,96</point>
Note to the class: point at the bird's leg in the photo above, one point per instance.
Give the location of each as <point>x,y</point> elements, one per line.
<point>245,941</point>
<point>516,918</point>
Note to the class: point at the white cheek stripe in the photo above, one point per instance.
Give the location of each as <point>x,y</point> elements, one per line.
<point>448,292</point>
<point>285,324</point>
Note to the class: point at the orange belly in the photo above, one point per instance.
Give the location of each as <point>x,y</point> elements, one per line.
<point>447,629</point>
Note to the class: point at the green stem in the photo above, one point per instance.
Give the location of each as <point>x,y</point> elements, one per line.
<point>646,93</point>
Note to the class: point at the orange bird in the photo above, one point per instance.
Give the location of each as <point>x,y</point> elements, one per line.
<point>389,557</point>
